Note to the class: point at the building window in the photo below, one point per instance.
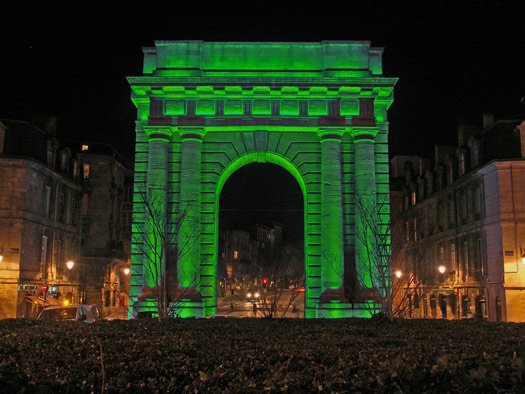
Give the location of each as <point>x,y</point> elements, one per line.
<point>480,265</point>
<point>463,206</point>
<point>47,200</point>
<point>466,272</point>
<point>439,216</point>
<point>43,257</point>
<point>413,197</point>
<point>453,263</point>
<point>477,202</point>
<point>462,163</point>
<point>451,214</point>
<point>235,254</point>
<point>62,207</point>
<point>86,171</point>
<point>415,229</point>
<point>74,210</point>
<point>85,148</point>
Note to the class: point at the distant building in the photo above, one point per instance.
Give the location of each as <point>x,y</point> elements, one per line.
<point>461,222</point>
<point>238,249</point>
<point>40,231</point>
<point>106,225</point>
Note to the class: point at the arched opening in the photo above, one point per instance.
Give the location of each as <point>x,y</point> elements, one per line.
<point>260,257</point>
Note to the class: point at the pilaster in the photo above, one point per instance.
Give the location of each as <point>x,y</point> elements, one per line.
<point>189,237</point>
<point>332,264</point>
<point>367,259</point>
<point>155,202</point>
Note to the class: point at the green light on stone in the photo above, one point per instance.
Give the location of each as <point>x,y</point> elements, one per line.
<point>175,107</point>
<point>205,107</point>
<point>349,107</point>
<point>233,107</point>
<point>289,107</point>
<point>262,107</point>
<point>184,166</point>
<point>317,108</point>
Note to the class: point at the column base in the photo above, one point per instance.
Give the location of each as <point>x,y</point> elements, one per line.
<point>188,304</point>
<point>333,304</point>
<point>337,310</point>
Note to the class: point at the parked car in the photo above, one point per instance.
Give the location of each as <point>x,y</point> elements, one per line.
<point>79,312</point>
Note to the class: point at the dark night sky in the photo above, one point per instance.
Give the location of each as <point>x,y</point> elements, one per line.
<point>454,61</point>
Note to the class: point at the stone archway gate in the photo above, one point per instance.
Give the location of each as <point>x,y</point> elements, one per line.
<point>205,109</point>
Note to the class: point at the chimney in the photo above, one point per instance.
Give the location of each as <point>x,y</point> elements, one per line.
<point>409,172</point>
<point>521,131</point>
<point>46,123</point>
<point>488,120</point>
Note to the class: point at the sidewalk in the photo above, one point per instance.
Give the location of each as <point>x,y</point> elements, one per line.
<point>120,314</point>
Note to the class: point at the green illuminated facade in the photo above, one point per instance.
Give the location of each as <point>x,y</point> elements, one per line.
<point>205,109</point>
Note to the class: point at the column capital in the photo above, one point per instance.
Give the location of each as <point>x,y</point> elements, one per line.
<point>364,134</point>
<point>158,133</point>
<point>331,133</point>
<point>191,133</point>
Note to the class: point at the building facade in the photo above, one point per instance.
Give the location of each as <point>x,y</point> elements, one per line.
<point>462,225</point>
<point>40,192</point>
<point>105,211</point>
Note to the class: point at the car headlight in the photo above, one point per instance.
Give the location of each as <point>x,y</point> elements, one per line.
<point>257,295</point>
<point>249,295</point>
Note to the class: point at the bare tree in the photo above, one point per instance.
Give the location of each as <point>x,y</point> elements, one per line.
<point>157,236</point>
<point>278,264</point>
<point>384,277</point>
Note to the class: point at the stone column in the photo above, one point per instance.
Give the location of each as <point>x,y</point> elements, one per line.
<point>154,199</point>
<point>189,239</point>
<point>366,256</point>
<point>332,263</point>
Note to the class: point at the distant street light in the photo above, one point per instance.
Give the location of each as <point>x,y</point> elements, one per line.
<point>70,264</point>
<point>126,271</point>
<point>398,274</point>
<point>442,269</point>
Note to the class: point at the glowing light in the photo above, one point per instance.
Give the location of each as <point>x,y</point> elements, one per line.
<point>70,264</point>
<point>126,271</point>
<point>398,274</point>
<point>66,302</point>
<point>442,269</point>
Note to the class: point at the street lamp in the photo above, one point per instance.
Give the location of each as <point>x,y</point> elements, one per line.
<point>70,264</point>
<point>398,274</point>
<point>126,271</point>
<point>442,269</point>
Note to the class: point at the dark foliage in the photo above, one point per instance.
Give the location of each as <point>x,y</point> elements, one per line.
<point>260,355</point>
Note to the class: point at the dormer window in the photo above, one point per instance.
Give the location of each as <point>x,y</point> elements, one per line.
<point>49,152</point>
<point>462,167</point>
